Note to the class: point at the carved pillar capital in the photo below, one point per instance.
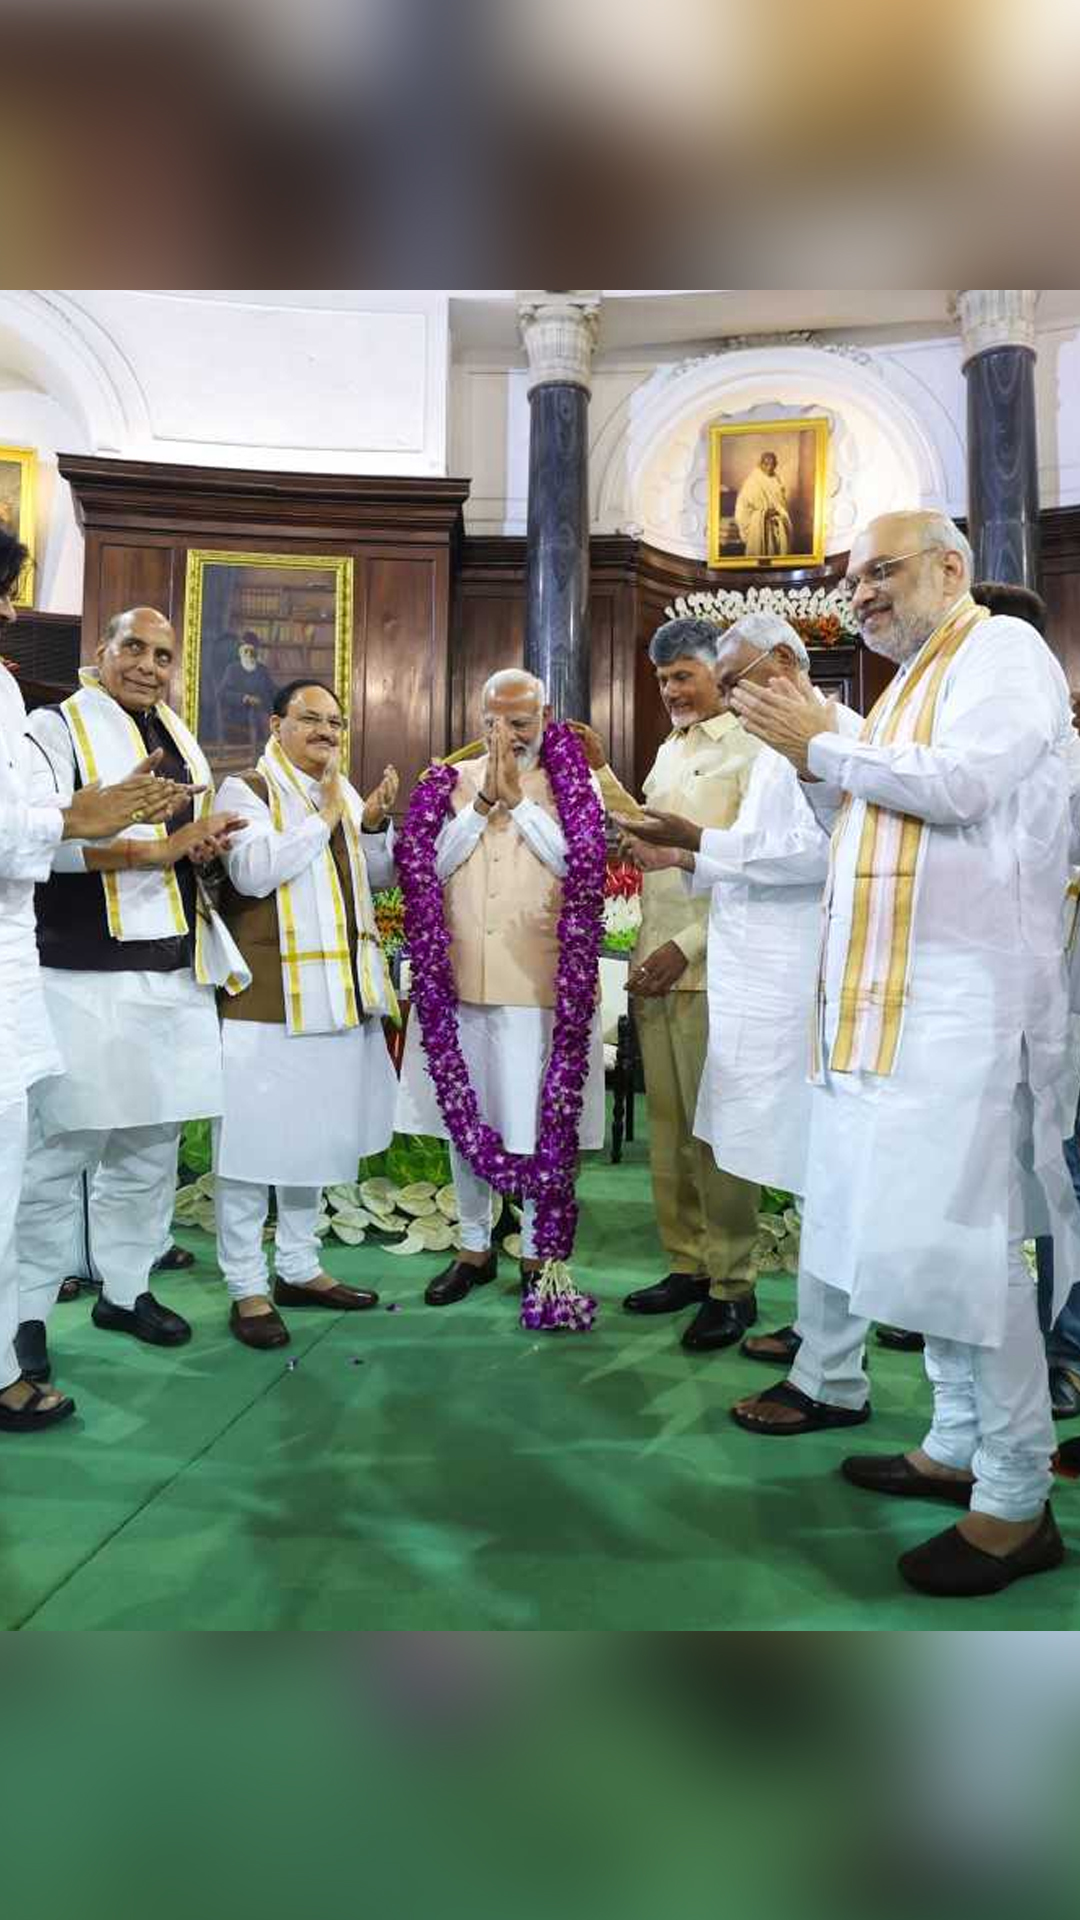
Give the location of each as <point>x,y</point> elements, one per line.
<point>995,317</point>
<point>559,334</point>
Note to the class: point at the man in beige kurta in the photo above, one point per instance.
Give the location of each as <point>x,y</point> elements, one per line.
<point>707,1219</point>
<point>501,858</point>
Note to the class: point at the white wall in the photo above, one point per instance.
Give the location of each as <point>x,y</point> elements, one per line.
<point>325,381</point>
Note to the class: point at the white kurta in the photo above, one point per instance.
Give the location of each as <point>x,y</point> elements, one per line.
<point>766,875</point>
<point>299,1109</point>
<point>908,1174</point>
<point>139,1048</point>
<point>31,826</point>
<point>506,1049</point>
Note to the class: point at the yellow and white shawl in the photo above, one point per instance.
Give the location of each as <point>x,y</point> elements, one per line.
<point>890,851</point>
<point>144,903</point>
<point>311,914</point>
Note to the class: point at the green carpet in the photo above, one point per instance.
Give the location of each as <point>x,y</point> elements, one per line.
<point>465,1474</point>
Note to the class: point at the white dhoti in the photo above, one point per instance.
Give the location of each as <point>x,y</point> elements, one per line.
<point>506,1050</point>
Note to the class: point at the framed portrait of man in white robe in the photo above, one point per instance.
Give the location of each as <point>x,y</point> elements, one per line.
<point>252,623</point>
<point>767,493</point>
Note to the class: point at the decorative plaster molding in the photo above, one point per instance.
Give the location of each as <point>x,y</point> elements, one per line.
<point>652,472</point>
<point>755,342</point>
<point>559,332</point>
<point>995,317</point>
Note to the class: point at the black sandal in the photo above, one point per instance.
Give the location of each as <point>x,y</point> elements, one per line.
<point>789,1344</point>
<point>26,1419</point>
<point>817,1414</point>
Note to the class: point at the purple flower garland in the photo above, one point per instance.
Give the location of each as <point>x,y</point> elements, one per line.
<point>546,1176</point>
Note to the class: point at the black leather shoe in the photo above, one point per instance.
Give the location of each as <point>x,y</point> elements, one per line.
<point>32,1353</point>
<point>894,1473</point>
<point>719,1323</point>
<point>1064,1391</point>
<point>458,1279</point>
<point>948,1565</point>
<point>174,1260</point>
<point>898,1340</point>
<point>259,1330</point>
<point>147,1320</point>
<point>668,1296</point>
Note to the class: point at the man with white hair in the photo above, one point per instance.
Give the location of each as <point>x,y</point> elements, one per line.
<point>706,1218</point>
<point>501,859</point>
<point>944,1086</point>
<point>765,875</point>
<point>131,950</point>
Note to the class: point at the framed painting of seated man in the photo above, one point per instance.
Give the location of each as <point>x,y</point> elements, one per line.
<point>252,623</point>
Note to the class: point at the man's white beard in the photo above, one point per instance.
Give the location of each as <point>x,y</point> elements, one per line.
<point>528,757</point>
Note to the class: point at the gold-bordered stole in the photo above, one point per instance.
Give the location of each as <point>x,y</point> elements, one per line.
<point>878,964</point>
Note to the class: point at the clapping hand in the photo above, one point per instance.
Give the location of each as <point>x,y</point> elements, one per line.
<point>786,717</point>
<point>381,800</point>
<point>202,840</point>
<point>141,798</point>
<point>332,793</point>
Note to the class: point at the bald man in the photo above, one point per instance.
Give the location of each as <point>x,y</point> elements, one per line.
<point>130,953</point>
<point>501,859</point>
<point>943,1080</point>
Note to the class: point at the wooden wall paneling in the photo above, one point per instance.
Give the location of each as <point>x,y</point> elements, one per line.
<point>1059,532</point>
<point>399,666</point>
<point>128,573</point>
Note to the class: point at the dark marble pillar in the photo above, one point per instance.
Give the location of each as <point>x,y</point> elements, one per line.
<point>1003,467</point>
<point>559,332</point>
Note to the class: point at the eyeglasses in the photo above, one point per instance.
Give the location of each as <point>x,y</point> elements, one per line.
<point>726,684</point>
<point>330,722</point>
<point>876,572</point>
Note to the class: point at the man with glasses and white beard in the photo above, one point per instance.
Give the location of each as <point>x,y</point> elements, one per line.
<point>943,1082</point>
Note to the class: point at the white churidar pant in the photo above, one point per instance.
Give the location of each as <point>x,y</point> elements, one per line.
<point>241,1216</point>
<point>133,1171</point>
<point>991,1404</point>
<point>474,1198</point>
<point>12,1162</point>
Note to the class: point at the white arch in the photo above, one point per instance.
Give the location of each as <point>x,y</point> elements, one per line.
<point>651,473</point>
<point>46,336</point>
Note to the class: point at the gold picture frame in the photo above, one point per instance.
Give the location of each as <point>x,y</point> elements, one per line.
<point>253,622</point>
<point>762,516</point>
<point>18,466</point>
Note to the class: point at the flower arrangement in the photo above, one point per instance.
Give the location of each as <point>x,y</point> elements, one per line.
<point>389,905</point>
<point>622,905</point>
<point>547,1175</point>
<point>821,616</point>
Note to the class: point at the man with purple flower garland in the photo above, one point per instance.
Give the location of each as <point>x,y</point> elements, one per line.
<point>501,858</point>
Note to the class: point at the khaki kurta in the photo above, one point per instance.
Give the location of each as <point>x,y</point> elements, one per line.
<point>706,1219</point>
<point>702,773</point>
